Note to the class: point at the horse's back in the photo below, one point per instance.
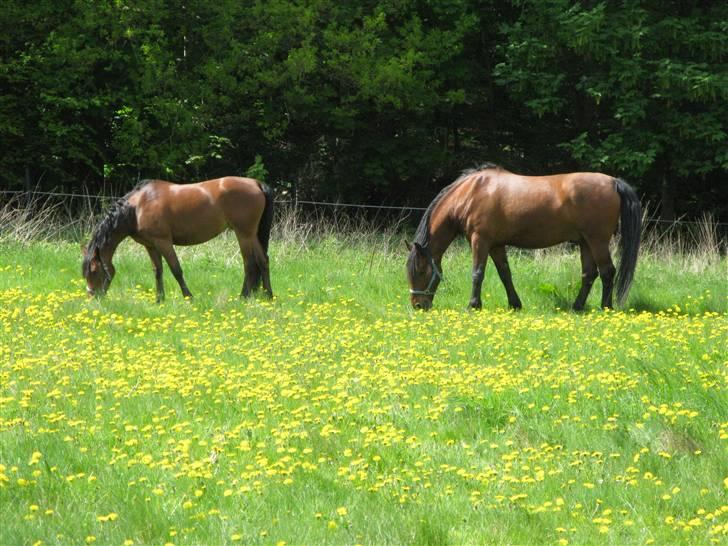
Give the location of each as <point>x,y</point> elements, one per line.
<point>540,211</point>
<point>587,189</point>
<point>196,212</point>
<point>208,189</point>
<point>591,202</point>
<point>554,190</point>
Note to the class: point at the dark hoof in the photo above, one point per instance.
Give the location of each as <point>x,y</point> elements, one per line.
<point>475,305</point>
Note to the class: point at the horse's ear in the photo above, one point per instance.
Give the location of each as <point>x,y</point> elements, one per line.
<point>408,245</point>
<point>84,250</point>
<point>95,260</point>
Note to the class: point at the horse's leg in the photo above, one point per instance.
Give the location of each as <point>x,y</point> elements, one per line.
<point>480,257</point>
<point>588,274</point>
<point>504,272</point>
<point>156,258</point>
<point>170,255</point>
<point>600,252</point>
<point>255,264</point>
<point>262,259</point>
<point>250,271</point>
<point>266,281</point>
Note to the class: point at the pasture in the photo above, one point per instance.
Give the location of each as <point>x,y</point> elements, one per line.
<point>334,414</point>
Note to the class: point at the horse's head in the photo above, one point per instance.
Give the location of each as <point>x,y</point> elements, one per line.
<point>423,276</point>
<point>97,273</point>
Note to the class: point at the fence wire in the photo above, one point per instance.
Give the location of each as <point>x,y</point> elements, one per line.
<point>296,202</point>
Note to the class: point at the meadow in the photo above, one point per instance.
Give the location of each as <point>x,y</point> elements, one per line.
<point>335,414</point>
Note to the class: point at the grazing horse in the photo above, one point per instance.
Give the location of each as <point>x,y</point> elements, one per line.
<point>494,208</point>
<point>159,215</point>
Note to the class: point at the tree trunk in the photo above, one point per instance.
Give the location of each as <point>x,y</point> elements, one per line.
<point>667,200</point>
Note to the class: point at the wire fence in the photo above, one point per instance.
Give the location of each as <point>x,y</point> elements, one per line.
<point>332,204</point>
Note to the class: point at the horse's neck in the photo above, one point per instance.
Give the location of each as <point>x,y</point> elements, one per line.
<point>108,250</point>
<point>444,227</point>
<point>440,239</point>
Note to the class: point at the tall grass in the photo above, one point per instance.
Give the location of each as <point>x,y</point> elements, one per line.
<point>674,259</point>
<point>697,244</point>
<point>28,217</point>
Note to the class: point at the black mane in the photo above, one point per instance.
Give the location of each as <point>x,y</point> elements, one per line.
<point>120,216</point>
<point>422,235</point>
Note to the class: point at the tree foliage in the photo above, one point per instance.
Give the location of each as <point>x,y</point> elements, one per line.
<point>377,101</point>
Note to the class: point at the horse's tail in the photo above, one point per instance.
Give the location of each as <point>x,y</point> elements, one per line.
<point>630,219</point>
<point>266,221</point>
<point>264,228</point>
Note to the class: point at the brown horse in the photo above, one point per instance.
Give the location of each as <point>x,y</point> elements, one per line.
<point>494,208</point>
<point>159,214</point>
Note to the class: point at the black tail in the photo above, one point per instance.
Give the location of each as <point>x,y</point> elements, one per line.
<point>266,221</point>
<point>264,229</point>
<point>630,219</point>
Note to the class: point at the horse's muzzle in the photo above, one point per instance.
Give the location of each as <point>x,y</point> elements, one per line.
<point>422,304</point>
<point>91,293</point>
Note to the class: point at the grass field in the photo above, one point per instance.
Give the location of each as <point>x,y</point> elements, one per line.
<point>334,414</point>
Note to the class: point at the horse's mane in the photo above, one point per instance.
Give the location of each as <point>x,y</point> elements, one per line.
<point>422,235</point>
<point>121,215</point>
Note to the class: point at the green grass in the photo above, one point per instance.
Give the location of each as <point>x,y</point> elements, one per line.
<point>334,414</point>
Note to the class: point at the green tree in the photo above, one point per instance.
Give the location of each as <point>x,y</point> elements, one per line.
<point>634,88</point>
<point>374,100</point>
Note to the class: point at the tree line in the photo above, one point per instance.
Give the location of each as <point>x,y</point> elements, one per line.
<point>375,101</point>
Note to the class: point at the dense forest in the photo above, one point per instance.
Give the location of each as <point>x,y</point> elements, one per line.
<point>373,101</point>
